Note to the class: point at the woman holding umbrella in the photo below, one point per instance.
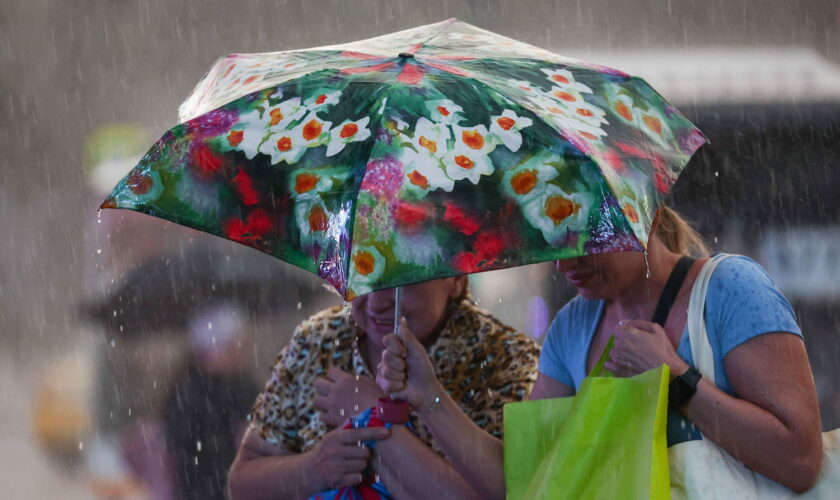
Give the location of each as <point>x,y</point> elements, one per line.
<point>295,447</point>
<point>764,409</point>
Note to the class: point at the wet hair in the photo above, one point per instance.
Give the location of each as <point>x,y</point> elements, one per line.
<point>678,235</point>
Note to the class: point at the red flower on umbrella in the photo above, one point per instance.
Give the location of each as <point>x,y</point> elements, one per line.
<point>252,230</point>
<point>489,245</point>
<point>460,220</point>
<point>410,216</point>
<point>205,162</point>
<point>243,184</point>
<point>468,262</point>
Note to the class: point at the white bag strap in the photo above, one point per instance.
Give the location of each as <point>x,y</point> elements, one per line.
<point>698,337</point>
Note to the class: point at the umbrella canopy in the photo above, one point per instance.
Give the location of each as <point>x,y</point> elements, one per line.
<point>432,152</point>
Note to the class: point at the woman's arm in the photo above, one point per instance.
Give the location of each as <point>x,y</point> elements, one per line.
<point>265,471</point>
<point>772,426</point>
<point>476,455</point>
<point>411,470</point>
<point>546,387</point>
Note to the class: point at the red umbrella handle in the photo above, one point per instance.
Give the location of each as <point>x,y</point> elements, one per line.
<point>391,409</point>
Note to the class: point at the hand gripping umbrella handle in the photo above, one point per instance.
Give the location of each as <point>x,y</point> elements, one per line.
<point>391,409</point>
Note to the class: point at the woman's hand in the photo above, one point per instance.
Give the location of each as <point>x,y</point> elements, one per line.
<point>641,346</point>
<point>341,459</point>
<point>407,372</point>
<point>340,395</point>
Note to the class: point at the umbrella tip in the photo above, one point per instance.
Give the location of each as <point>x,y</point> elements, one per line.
<point>406,55</point>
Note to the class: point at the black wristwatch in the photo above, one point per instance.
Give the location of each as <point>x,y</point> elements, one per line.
<point>682,388</point>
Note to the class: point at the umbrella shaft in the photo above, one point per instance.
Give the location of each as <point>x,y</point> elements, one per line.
<point>397,313</point>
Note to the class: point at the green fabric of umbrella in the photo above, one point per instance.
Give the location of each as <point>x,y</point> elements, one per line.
<point>432,152</point>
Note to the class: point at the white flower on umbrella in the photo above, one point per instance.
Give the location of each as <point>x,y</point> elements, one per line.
<point>466,163</point>
<point>530,179</point>
<point>313,220</point>
<point>282,115</point>
<point>366,266</point>
<point>423,172</point>
<point>445,111</point>
<point>654,125</point>
<point>430,138</point>
<point>588,114</point>
<point>568,118</point>
<point>291,145</point>
<point>623,107</point>
<point>507,126</point>
<point>564,96</point>
<point>556,213</point>
<point>347,132</point>
<point>564,78</point>
<point>524,86</point>
<point>473,138</point>
<point>322,99</point>
<point>309,183</point>
<point>246,135</point>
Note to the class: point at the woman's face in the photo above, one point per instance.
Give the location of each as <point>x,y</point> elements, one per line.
<point>424,306</point>
<point>605,275</point>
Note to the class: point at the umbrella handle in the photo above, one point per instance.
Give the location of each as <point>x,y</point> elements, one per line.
<point>391,409</point>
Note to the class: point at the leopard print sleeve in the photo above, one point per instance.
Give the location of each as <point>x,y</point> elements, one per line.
<point>278,411</point>
<point>514,375</point>
<point>510,365</point>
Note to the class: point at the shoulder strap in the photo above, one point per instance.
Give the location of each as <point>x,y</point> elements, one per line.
<point>701,348</point>
<point>672,287</point>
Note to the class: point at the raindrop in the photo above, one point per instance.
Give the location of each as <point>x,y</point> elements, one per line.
<point>99,216</point>
<point>500,300</point>
<point>99,251</point>
<point>115,313</point>
<point>341,411</point>
<point>113,342</point>
<point>154,384</point>
<point>716,239</point>
<point>717,174</point>
<point>198,445</point>
<point>129,412</point>
<point>299,305</point>
<point>355,408</point>
<point>81,445</point>
<point>209,325</point>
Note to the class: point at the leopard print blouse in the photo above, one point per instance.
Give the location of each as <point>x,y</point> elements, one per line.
<point>481,363</point>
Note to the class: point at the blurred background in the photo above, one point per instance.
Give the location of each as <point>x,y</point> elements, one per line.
<point>107,319</point>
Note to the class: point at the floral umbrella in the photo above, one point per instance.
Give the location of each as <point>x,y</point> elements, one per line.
<point>432,152</point>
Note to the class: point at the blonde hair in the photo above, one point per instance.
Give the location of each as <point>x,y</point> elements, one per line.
<point>678,235</point>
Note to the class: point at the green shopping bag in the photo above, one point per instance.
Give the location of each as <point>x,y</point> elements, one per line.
<point>608,441</point>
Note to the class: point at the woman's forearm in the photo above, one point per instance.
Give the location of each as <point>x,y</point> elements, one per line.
<point>412,470</point>
<point>274,477</point>
<point>475,454</point>
<point>754,436</point>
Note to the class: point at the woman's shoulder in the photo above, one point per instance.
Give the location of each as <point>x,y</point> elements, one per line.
<point>739,272</point>
<point>490,327</point>
<point>577,310</point>
<point>327,326</point>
